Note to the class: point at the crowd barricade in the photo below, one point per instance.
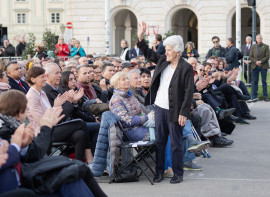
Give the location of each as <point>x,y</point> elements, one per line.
<point>11,58</point>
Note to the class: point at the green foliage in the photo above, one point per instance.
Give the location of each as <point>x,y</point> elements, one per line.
<point>135,36</point>
<point>49,40</point>
<point>30,47</point>
<point>168,34</point>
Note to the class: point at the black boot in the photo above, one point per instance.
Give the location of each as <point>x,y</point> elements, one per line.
<point>158,178</point>
<point>176,179</point>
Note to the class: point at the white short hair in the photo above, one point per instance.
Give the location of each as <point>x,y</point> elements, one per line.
<point>48,67</point>
<point>259,35</point>
<point>248,37</point>
<point>199,66</point>
<point>176,42</point>
<point>133,71</point>
<point>116,78</point>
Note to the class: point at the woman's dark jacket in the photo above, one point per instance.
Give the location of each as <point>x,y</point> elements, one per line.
<point>42,54</point>
<point>181,86</point>
<point>193,51</point>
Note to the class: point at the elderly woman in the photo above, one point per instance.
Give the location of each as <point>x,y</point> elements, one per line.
<point>77,50</point>
<point>42,54</point>
<point>124,105</point>
<point>146,79</point>
<point>200,72</point>
<point>62,49</point>
<point>172,92</point>
<point>4,83</point>
<point>190,51</point>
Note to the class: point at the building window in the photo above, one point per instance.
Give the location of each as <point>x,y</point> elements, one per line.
<point>21,18</point>
<point>55,17</point>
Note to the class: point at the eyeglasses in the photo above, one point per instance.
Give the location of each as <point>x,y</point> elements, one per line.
<point>202,70</point>
<point>97,72</point>
<point>215,42</point>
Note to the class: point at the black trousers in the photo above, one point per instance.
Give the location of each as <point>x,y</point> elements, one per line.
<point>76,133</point>
<point>211,100</point>
<point>231,97</point>
<point>196,122</point>
<point>163,128</point>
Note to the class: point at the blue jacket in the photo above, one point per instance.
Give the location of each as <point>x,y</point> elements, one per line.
<point>7,171</point>
<point>133,53</point>
<point>160,48</point>
<point>80,52</point>
<point>232,57</point>
<point>103,143</point>
<point>14,85</point>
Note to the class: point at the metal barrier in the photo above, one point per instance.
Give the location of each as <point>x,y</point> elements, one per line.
<point>11,58</point>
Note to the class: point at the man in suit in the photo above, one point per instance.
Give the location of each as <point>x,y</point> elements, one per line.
<point>15,74</point>
<point>259,56</point>
<point>135,52</point>
<point>247,63</point>
<point>172,92</point>
<point>158,46</point>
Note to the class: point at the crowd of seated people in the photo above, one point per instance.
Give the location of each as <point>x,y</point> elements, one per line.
<point>76,91</point>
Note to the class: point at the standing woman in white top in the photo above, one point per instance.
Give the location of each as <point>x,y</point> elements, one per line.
<point>125,53</point>
<point>171,90</point>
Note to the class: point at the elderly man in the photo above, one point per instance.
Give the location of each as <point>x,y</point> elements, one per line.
<point>141,58</point>
<point>7,50</point>
<point>247,63</point>
<point>193,62</point>
<point>126,67</point>
<point>21,46</point>
<point>172,92</point>
<point>83,60</point>
<point>15,74</point>
<point>259,56</point>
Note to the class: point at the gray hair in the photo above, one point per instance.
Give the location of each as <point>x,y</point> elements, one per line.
<point>176,42</point>
<point>259,35</point>
<point>72,63</point>
<point>133,71</point>
<point>199,66</point>
<point>248,37</point>
<point>48,68</point>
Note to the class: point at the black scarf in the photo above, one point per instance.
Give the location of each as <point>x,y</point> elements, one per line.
<point>11,121</point>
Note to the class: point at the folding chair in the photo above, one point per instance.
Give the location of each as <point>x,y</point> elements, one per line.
<point>141,154</point>
<point>62,147</point>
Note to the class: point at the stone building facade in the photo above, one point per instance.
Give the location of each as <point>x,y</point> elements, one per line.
<point>194,20</point>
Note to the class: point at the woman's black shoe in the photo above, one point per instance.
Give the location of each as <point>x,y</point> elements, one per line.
<point>176,179</point>
<point>158,178</point>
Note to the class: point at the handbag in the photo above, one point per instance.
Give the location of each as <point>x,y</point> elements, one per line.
<point>129,174</point>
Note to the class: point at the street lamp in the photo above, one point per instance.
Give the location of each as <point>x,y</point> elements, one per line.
<point>62,28</point>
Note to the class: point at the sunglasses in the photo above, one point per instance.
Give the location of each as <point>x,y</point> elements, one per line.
<point>215,42</point>
<point>202,70</point>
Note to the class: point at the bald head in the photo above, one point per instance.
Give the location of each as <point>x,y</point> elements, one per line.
<point>83,60</point>
<point>193,62</point>
<point>53,74</point>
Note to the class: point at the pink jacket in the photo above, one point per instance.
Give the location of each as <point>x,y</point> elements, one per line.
<point>36,107</point>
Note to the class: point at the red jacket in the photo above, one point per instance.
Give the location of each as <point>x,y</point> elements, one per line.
<point>62,53</point>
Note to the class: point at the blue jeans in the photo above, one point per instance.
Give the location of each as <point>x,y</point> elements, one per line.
<point>255,79</point>
<point>187,155</point>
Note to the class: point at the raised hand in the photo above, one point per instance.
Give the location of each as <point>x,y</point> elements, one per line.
<point>141,31</point>
<point>102,84</point>
<point>60,100</point>
<point>17,137</point>
<point>78,95</point>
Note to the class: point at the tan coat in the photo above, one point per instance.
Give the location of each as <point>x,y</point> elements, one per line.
<point>264,56</point>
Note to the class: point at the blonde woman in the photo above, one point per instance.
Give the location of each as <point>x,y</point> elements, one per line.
<point>190,51</point>
<point>77,49</point>
<point>98,63</point>
<point>41,53</point>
